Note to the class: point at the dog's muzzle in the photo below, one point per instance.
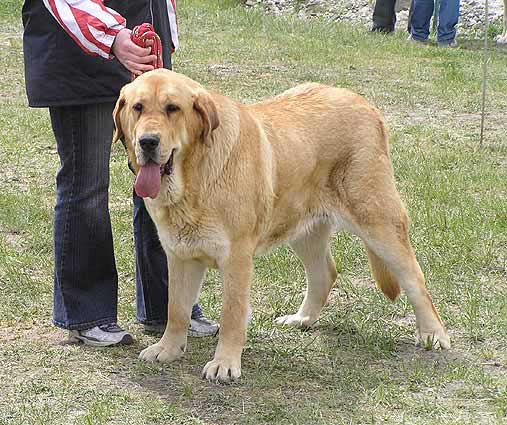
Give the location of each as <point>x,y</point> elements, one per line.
<point>149,143</point>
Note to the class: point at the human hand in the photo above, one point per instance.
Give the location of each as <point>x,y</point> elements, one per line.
<point>136,59</point>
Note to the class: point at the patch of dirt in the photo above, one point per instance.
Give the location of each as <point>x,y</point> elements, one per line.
<point>11,179</point>
<point>9,40</point>
<point>13,238</point>
<point>39,332</point>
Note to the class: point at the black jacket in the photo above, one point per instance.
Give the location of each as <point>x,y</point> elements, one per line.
<point>59,73</point>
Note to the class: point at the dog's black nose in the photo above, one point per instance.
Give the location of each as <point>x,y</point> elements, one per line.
<point>149,142</point>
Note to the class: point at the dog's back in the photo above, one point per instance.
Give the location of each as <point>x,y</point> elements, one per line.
<point>314,122</point>
<point>326,143</point>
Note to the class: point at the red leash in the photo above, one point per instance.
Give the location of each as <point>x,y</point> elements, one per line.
<point>141,35</point>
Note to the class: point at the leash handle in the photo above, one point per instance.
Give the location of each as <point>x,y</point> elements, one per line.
<point>143,33</point>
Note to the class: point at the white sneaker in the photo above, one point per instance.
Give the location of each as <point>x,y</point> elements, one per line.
<point>102,336</point>
<point>201,326</point>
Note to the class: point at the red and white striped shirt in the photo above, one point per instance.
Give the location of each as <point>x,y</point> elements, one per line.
<point>94,26</point>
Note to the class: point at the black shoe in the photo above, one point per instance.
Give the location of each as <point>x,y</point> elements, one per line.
<point>385,30</point>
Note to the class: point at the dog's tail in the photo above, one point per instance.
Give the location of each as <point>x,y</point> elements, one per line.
<point>384,278</point>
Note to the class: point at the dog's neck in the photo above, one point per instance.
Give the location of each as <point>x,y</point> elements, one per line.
<point>211,159</point>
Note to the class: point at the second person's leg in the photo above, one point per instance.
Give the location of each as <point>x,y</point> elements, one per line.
<point>420,21</point>
<point>152,278</point>
<point>384,16</point>
<point>447,20</point>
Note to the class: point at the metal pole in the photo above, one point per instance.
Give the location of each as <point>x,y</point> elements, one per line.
<point>436,11</point>
<point>484,72</point>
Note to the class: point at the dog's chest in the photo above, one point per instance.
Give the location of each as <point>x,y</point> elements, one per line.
<point>188,239</point>
<point>189,245</point>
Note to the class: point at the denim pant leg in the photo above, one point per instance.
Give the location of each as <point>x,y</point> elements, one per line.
<point>85,277</point>
<point>151,270</point>
<point>447,20</point>
<point>420,20</point>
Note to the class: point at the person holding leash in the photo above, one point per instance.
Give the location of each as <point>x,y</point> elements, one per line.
<point>78,54</point>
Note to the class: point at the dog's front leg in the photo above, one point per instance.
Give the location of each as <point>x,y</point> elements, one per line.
<point>185,279</point>
<point>237,276</point>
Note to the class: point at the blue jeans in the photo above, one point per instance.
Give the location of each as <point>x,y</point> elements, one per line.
<point>85,277</point>
<point>447,19</point>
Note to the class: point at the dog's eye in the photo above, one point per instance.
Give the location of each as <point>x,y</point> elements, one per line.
<point>171,108</point>
<point>138,107</point>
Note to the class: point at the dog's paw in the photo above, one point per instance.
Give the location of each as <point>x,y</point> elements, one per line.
<point>501,39</point>
<point>433,340</point>
<point>296,320</point>
<point>160,353</point>
<point>223,371</point>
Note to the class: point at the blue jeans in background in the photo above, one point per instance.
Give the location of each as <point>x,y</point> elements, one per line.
<point>85,276</point>
<point>447,19</point>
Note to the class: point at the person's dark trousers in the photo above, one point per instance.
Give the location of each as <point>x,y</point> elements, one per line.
<point>384,16</point>
<point>85,277</point>
<point>151,269</point>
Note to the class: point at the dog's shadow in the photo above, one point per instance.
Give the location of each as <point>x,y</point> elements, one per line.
<point>335,366</point>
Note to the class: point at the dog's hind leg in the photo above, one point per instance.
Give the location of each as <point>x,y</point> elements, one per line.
<point>313,250</point>
<point>392,260</point>
<point>394,265</point>
<point>370,206</point>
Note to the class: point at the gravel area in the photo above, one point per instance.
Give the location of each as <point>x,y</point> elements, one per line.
<point>360,11</point>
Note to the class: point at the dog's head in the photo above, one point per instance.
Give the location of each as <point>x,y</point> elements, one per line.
<point>160,117</point>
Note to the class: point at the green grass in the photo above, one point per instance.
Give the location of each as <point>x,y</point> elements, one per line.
<point>359,366</point>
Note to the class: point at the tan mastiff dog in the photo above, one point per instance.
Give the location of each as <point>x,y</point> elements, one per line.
<point>224,182</point>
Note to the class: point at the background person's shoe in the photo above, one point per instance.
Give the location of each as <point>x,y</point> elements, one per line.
<point>418,43</point>
<point>201,326</point>
<point>377,28</point>
<point>449,44</point>
<point>154,329</point>
<point>102,336</point>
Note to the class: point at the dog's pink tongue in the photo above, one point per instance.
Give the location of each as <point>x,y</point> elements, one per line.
<point>148,181</point>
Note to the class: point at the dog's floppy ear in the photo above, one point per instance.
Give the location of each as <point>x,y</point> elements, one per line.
<point>205,106</point>
<point>118,132</point>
